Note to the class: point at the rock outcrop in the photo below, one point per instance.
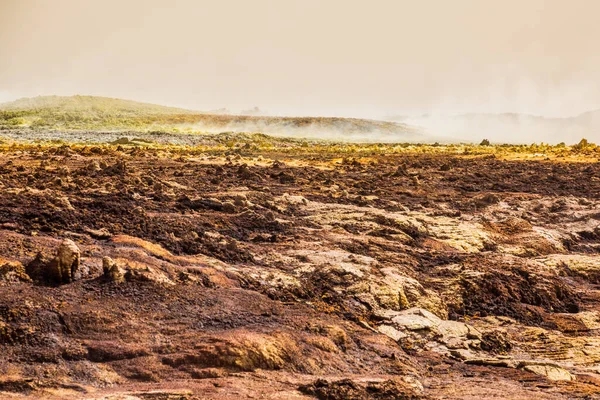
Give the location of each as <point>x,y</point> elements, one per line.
<point>63,268</point>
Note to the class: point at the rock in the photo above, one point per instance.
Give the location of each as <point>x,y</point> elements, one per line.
<point>229,207</point>
<point>415,319</point>
<point>67,260</point>
<point>241,201</point>
<point>388,295</point>
<point>123,140</point>
<point>207,373</point>
<point>391,332</point>
<point>454,342</point>
<point>102,234</point>
<point>147,274</point>
<point>140,141</point>
<point>65,203</point>
<point>552,372</point>
<point>12,272</point>
<point>118,168</point>
<point>93,166</point>
<point>286,178</point>
<point>396,292</point>
<point>293,200</point>
<point>208,204</point>
<point>322,343</point>
<point>159,188</point>
<point>413,322</point>
<point>424,313</point>
<point>337,335</point>
<point>462,354</point>
<point>452,329</point>
<point>244,172</point>
<point>151,395</point>
<point>112,272</point>
<point>485,200</point>
<point>437,334</point>
<point>401,171</point>
<point>400,292</point>
<point>63,268</point>
<point>384,314</point>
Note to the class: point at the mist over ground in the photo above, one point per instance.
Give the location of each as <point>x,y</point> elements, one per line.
<point>310,58</point>
<point>509,127</point>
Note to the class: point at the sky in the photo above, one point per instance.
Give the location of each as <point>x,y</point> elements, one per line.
<point>309,57</point>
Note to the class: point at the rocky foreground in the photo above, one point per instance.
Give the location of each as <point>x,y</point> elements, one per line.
<point>129,273</point>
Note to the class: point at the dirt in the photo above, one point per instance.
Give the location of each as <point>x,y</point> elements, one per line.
<point>273,275</point>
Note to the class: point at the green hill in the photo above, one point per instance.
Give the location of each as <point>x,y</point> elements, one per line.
<point>89,105</point>
<point>81,112</point>
<point>90,113</point>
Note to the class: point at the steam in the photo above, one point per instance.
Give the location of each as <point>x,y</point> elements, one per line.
<point>515,109</point>
<point>512,128</point>
<point>334,129</point>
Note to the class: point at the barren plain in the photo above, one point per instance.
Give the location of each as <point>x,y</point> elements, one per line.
<point>273,269</point>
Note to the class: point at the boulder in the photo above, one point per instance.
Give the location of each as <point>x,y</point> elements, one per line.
<point>63,268</point>
<point>12,272</point>
<point>416,319</point>
<point>551,371</point>
<point>67,260</point>
<point>102,233</point>
<point>112,272</point>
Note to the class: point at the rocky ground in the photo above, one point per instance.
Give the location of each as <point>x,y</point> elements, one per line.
<point>148,273</point>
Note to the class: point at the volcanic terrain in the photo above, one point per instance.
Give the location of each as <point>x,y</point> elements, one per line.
<point>149,271</point>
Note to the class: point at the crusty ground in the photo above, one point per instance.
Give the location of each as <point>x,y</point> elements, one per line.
<point>251,273</point>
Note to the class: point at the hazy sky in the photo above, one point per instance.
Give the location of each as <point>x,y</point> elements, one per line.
<point>326,57</point>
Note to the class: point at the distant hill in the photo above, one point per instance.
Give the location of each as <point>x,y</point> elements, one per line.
<point>101,113</point>
<point>89,105</point>
<point>511,127</point>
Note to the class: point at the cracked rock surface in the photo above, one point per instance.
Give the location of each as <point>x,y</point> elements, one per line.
<point>130,273</point>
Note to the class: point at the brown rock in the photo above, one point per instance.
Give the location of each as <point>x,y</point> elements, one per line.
<point>63,268</point>
<point>98,233</point>
<point>67,260</point>
<point>11,272</point>
<point>112,271</point>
